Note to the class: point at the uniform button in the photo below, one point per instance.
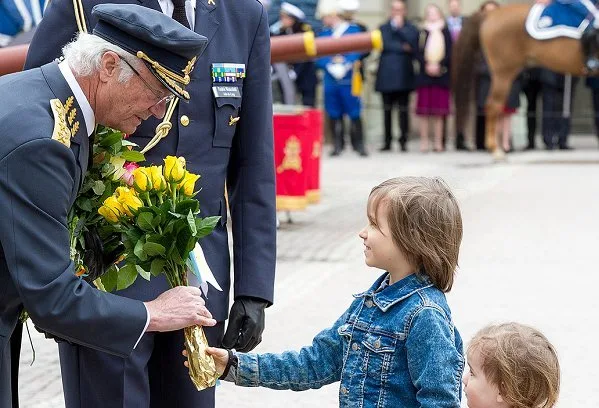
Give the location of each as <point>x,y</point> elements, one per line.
<point>184,120</point>
<point>369,303</point>
<point>354,346</point>
<point>377,344</point>
<point>344,390</point>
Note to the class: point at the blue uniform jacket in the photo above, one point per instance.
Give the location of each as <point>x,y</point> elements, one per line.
<point>239,154</point>
<point>39,180</point>
<point>348,58</point>
<point>395,347</point>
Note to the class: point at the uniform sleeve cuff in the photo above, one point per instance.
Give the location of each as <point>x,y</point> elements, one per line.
<point>145,327</point>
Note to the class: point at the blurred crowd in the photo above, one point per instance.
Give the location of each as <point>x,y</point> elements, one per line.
<point>412,73</point>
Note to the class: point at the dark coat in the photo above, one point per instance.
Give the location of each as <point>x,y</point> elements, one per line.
<point>423,79</point>
<point>396,68</point>
<point>39,181</point>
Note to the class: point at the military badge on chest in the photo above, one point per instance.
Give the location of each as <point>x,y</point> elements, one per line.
<point>65,125</point>
<point>225,86</point>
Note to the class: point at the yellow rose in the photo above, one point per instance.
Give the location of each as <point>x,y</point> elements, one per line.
<point>188,183</point>
<point>129,200</point>
<point>142,180</point>
<point>158,181</point>
<point>174,169</point>
<point>111,209</point>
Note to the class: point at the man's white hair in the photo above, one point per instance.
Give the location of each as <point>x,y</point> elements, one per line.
<point>84,56</point>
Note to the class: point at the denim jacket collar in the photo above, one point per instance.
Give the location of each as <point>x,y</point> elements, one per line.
<point>396,292</point>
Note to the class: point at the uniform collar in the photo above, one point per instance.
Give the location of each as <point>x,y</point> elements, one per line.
<point>86,109</point>
<point>397,292</point>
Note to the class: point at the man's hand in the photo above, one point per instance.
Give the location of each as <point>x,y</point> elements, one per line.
<point>246,324</point>
<point>95,258</point>
<point>178,308</point>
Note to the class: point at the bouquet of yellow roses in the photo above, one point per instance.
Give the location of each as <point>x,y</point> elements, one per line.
<point>159,227</point>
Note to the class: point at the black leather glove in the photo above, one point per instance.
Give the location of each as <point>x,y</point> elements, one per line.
<point>94,258</point>
<point>246,324</point>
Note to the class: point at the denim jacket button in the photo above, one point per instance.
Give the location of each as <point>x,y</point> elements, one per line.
<point>354,346</point>
<point>344,390</point>
<point>377,344</point>
<point>369,303</point>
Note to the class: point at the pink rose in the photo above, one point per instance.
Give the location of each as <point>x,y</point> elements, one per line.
<point>127,176</point>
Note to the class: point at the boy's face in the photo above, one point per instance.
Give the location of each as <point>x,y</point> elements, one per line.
<point>479,391</point>
<point>380,251</point>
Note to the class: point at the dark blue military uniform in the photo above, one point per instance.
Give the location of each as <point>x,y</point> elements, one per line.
<point>44,154</point>
<point>226,136</point>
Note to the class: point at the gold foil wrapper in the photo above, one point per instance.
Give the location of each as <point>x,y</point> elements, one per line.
<point>202,369</point>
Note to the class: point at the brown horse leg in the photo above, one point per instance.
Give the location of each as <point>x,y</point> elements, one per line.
<point>500,87</point>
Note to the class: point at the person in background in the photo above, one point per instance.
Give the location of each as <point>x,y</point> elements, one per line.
<point>291,21</point>
<point>593,84</point>
<point>557,108</point>
<point>531,86</point>
<point>340,98</point>
<point>395,75</point>
<point>432,82</point>
<point>17,17</point>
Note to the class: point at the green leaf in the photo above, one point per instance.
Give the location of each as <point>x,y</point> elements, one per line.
<point>187,205</point>
<point>191,221</point>
<point>132,156</point>
<point>99,187</point>
<point>153,249</point>
<point>157,266</point>
<point>111,139</point>
<point>144,274</point>
<point>206,225</point>
<point>139,250</point>
<point>109,279</point>
<point>126,276</point>
<point>144,221</point>
<point>85,204</point>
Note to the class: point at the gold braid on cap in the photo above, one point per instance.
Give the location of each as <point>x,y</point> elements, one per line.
<point>166,72</point>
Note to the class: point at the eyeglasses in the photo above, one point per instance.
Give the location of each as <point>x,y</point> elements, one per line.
<point>157,94</point>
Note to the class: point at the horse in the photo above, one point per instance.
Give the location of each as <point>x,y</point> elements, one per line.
<point>501,35</point>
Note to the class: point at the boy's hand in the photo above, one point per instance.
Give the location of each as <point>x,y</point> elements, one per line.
<point>221,358</point>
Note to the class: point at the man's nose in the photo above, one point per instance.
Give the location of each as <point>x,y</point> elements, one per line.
<point>159,109</point>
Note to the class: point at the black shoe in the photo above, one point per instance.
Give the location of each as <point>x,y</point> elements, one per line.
<point>566,148</point>
<point>385,148</point>
<point>403,146</point>
<point>335,153</point>
<point>549,147</point>
<point>462,147</point>
<point>362,153</point>
<point>529,147</point>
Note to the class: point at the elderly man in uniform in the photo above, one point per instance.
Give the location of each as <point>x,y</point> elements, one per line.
<point>47,117</point>
<point>225,134</point>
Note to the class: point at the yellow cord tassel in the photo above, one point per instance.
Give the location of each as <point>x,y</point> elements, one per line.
<point>356,80</point>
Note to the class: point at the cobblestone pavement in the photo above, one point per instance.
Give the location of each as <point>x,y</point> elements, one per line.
<point>530,227</point>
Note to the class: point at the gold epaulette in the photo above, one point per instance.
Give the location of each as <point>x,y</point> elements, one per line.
<point>65,125</point>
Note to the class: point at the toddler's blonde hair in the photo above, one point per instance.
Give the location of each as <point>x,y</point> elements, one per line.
<point>520,362</point>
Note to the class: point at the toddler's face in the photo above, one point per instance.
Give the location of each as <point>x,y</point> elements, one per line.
<point>380,251</point>
<point>479,391</point>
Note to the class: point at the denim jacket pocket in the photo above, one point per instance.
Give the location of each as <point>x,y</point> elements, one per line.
<point>226,118</point>
<point>379,351</point>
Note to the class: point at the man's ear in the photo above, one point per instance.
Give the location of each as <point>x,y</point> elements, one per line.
<point>499,398</point>
<point>109,66</point>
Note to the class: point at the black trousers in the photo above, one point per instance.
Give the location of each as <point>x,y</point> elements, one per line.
<point>532,90</point>
<point>595,96</point>
<point>401,99</point>
<point>556,127</point>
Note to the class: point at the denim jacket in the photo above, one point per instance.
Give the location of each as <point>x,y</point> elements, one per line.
<point>395,347</point>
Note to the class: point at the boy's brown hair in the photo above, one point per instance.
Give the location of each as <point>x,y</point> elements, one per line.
<point>520,362</point>
<point>425,223</point>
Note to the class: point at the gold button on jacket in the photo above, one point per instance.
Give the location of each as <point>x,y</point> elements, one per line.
<point>184,120</point>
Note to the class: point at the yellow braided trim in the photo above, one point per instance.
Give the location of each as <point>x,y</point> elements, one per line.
<point>309,44</point>
<point>377,39</point>
<point>168,73</point>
